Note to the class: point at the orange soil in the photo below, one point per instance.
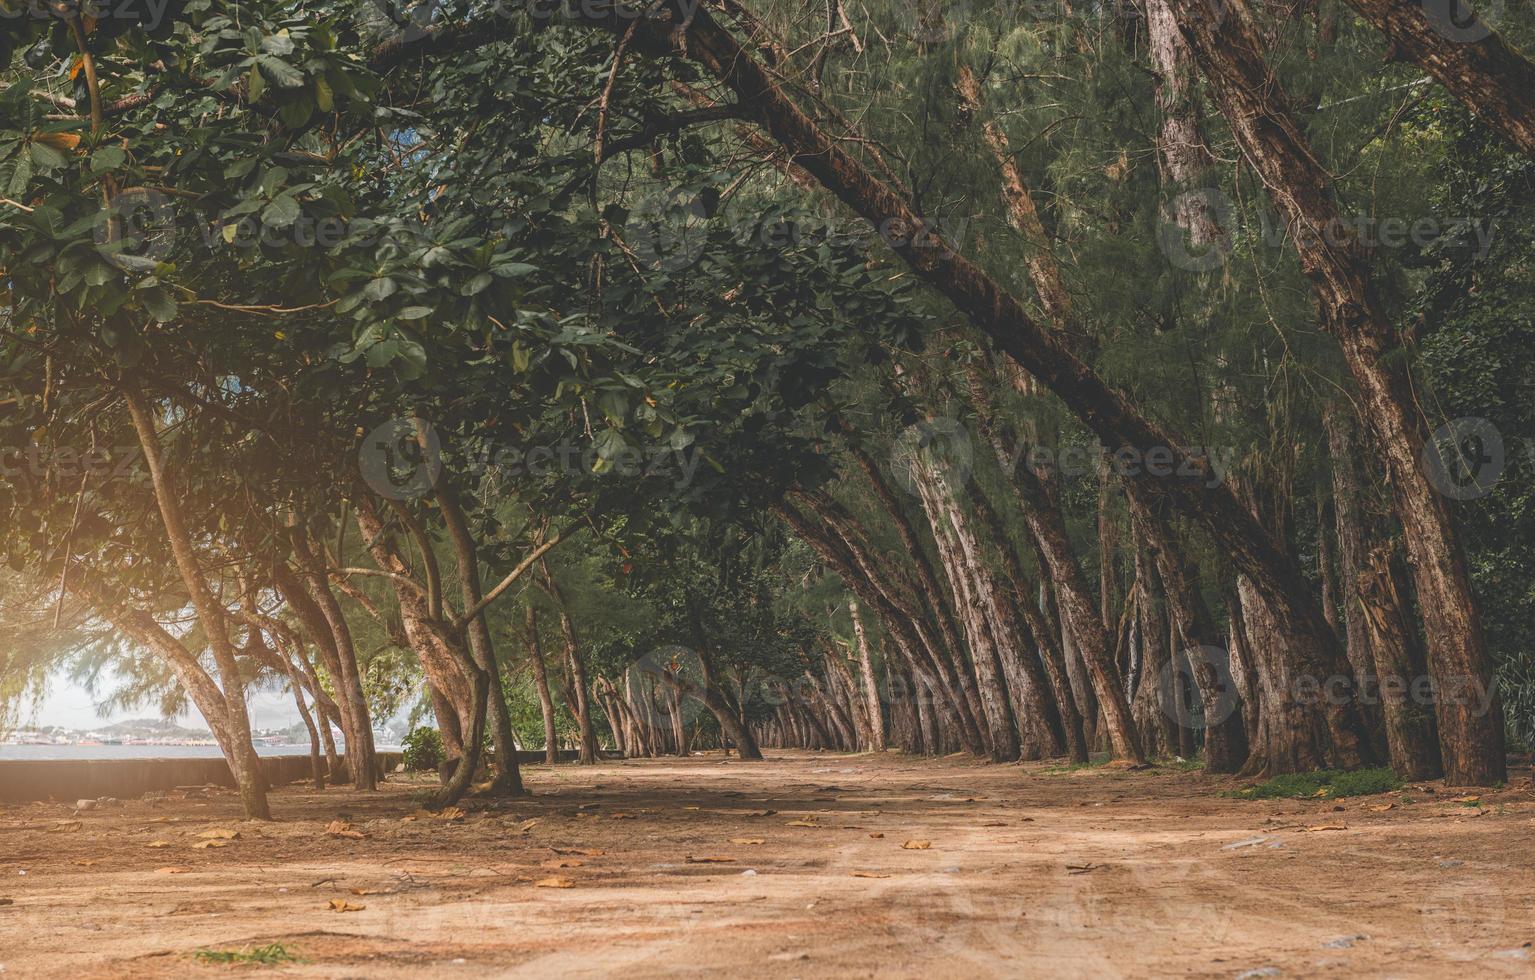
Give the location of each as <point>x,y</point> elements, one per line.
<point>1028,872</point>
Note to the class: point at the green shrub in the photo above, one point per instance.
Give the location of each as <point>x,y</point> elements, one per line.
<point>1324,783</point>
<point>422,749</point>
<point>264,955</point>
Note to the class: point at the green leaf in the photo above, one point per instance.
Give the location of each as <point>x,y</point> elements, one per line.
<point>21,176</point>
<point>415,313</point>
<point>108,158</point>
<point>282,212</point>
<point>160,304</point>
<point>324,97</point>
<point>281,72</point>
<point>382,353</point>
<point>380,289</point>
<point>46,157</point>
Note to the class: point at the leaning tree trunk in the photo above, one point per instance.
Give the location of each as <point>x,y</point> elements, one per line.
<point>316,761</point>
<point>579,703</point>
<point>1209,659</point>
<point>973,598</point>
<point>508,781</point>
<point>541,683</point>
<point>243,761</point>
<point>872,705</point>
<point>1399,665</point>
<point>1466,55</point>
<point>316,625</point>
<point>340,655</point>
<point>1254,103</point>
<point>846,551</point>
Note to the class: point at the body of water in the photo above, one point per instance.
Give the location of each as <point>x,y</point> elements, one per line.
<point>145,751</point>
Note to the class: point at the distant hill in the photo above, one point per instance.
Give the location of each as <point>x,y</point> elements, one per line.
<point>151,728</point>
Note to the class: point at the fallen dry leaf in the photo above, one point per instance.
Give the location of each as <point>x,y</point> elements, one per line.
<point>869,874</point>
<point>555,882</point>
<point>1467,799</point>
<point>451,813</point>
<point>64,827</point>
<point>86,863</point>
<point>365,891</point>
<point>63,142</point>
<point>1326,826</point>
<point>916,845</point>
<point>877,836</point>
<point>1383,807</point>
<point>342,905</point>
<point>157,844</point>
<point>220,833</point>
<point>802,823</point>
<point>747,840</point>
<point>340,828</point>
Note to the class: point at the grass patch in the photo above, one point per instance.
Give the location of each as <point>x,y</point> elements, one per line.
<point>269,955</point>
<point>1323,784</point>
<point>1093,762</point>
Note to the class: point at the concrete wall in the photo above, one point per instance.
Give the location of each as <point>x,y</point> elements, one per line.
<point>68,780</point>
<point>79,779</point>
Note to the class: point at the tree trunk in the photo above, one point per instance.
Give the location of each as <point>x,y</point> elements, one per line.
<point>873,707</point>
<point>316,763</point>
<point>848,555</point>
<point>333,637</point>
<point>243,762</point>
<point>1209,660</point>
<point>1255,105</point>
<point>974,595</point>
<point>580,706</point>
<point>508,781</point>
<point>1399,666</point>
<point>1466,55</point>
<point>541,682</point>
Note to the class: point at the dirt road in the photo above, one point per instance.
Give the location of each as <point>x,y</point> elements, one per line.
<point>805,865</point>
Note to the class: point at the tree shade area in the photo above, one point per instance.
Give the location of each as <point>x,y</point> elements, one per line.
<point>903,420</point>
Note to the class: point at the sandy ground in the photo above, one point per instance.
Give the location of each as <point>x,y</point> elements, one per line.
<point>806,865</point>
